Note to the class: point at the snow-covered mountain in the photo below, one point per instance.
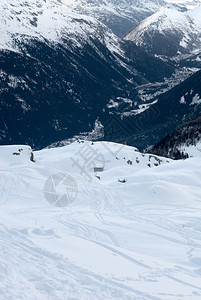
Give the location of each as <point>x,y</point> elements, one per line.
<point>122,15</point>
<point>59,71</point>
<point>62,72</point>
<point>183,142</point>
<point>119,15</point>
<point>49,21</point>
<point>166,111</point>
<point>132,234</point>
<point>93,220</point>
<point>173,31</point>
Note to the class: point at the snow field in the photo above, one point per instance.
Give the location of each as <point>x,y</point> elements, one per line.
<point>135,240</point>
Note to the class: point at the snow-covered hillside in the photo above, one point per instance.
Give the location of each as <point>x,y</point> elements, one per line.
<point>119,15</point>
<point>184,141</point>
<point>49,21</point>
<point>171,31</point>
<point>135,233</point>
<point>191,150</point>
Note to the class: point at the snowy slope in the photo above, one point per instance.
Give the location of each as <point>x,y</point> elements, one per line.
<point>49,20</point>
<point>134,240</point>
<point>171,31</point>
<point>184,141</point>
<point>121,15</point>
<point>191,150</point>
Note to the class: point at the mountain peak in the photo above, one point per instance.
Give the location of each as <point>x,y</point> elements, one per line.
<point>171,31</point>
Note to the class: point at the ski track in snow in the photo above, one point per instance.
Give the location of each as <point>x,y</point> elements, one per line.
<point>115,241</point>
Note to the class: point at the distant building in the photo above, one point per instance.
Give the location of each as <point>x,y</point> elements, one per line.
<point>98,169</point>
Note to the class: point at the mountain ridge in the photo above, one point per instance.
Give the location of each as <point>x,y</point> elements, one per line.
<point>172,32</point>
<point>178,105</point>
<point>178,143</point>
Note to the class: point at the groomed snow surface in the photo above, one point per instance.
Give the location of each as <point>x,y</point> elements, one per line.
<point>135,233</point>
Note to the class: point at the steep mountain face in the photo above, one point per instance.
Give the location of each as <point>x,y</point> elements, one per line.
<point>179,105</point>
<point>59,71</point>
<point>182,141</point>
<point>173,32</point>
<point>119,15</point>
<point>48,20</point>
